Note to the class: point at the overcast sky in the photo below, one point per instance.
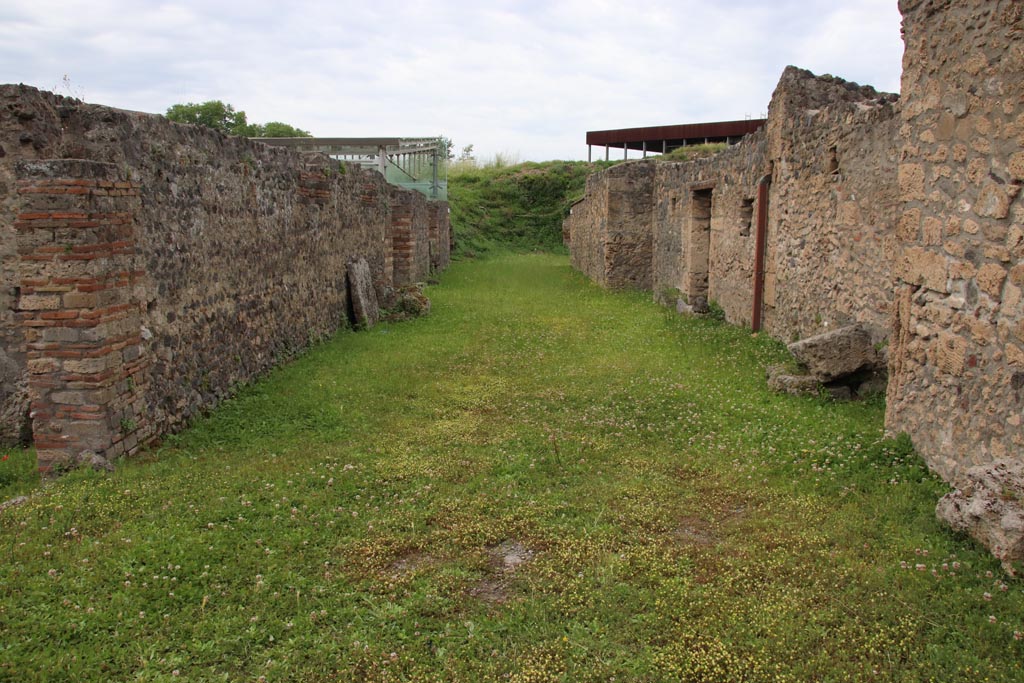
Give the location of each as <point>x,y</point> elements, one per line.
<point>526,78</point>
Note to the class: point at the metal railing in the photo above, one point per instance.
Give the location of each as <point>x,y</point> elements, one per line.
<point>416,163</point>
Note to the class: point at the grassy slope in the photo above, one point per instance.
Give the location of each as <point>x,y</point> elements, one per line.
<point>344,519</point>
<point>519,207</point>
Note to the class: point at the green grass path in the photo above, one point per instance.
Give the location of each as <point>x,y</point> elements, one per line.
<point>539,481</point>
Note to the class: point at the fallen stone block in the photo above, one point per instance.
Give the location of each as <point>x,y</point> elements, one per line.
<point>781,381</point>
<point>990,507</point>
<point>834,354</point>
<point>365,309</point>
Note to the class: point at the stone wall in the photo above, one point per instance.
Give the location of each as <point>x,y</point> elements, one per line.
<point>150,268</point>
<point>829,149</point>
<point>833,206</point>
<point>905,218</point>
<point>609,230</point>
<point>583,231</point>
<point>704,229</point>
<point>957,369</point>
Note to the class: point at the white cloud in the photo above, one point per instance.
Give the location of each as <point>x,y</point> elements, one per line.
<point>521,76</point>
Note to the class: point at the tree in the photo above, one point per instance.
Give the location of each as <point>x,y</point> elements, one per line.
<point>223,117</point>
<point>276,129</point>
<point>212,114</point>
<point>467,154</point>
<point>447,145</point>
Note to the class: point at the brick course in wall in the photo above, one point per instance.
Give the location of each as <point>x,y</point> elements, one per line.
<point>149,268</point>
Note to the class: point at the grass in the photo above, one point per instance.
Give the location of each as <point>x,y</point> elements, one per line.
<point>691,152</point>
<point>18,473</point>
<point>519,207</point>
<point>539,481</point>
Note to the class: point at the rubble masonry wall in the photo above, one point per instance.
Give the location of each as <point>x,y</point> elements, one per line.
<point>149,268</point>
<point>957,358</point>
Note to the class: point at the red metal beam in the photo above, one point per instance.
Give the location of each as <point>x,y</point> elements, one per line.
<point>675,136</point>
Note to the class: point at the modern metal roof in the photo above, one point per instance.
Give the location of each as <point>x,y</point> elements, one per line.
<point>654,137</point>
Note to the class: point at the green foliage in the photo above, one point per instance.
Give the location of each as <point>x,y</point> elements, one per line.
<point>223,117</point>
<point>715,310</point>
<point>519,207</point>
<point>18,472</point>
<point>276,129</point>
<point>540,481</point>
<point>212,114</point>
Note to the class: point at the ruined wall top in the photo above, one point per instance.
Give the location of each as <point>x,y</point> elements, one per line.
<point>799,90</point>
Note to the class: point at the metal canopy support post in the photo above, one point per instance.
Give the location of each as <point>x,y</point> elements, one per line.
<point>606,152</point>
<point>645,149</point>
<point>590,154</point>
<point>433,173</point>
<point>664,146</point>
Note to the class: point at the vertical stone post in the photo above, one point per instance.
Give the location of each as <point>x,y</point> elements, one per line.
<point>77,269</point>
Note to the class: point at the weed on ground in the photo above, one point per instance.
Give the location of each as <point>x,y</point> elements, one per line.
<point>539,481</point>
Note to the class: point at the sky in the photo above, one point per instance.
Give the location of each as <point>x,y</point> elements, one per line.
<point>525,79</point>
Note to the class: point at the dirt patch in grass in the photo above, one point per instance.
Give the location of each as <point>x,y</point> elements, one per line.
<point>696,531</point>
<point>505,559</point>
<point>412,562</point>
<point>509,555</point>
<point>490,590</point>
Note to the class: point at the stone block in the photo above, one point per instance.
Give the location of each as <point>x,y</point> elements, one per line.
<point>993,202</point>
<point>42,366</point>
<point>990,507</point>
<point>1017,275</point>
<point>918,266</point>
<point>837,353</point>
<point>39,302</point>
<point>951,353</point>
<point>911,182</point>
<point>86,366</point>
<point>365,308</point>
<point>80,300</point>
<point>909,226</point>
<point>990,279</point>
<point>781,381</point>
<point>1016,165</point>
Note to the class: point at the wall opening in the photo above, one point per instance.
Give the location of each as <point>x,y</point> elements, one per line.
<point>832,167</point>
<point>746,216</point>
<point>699,249</point>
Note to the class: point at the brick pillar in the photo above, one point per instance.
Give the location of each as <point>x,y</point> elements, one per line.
<point>440,238</point>
<point>76,244</point>
<point>403,239</point>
